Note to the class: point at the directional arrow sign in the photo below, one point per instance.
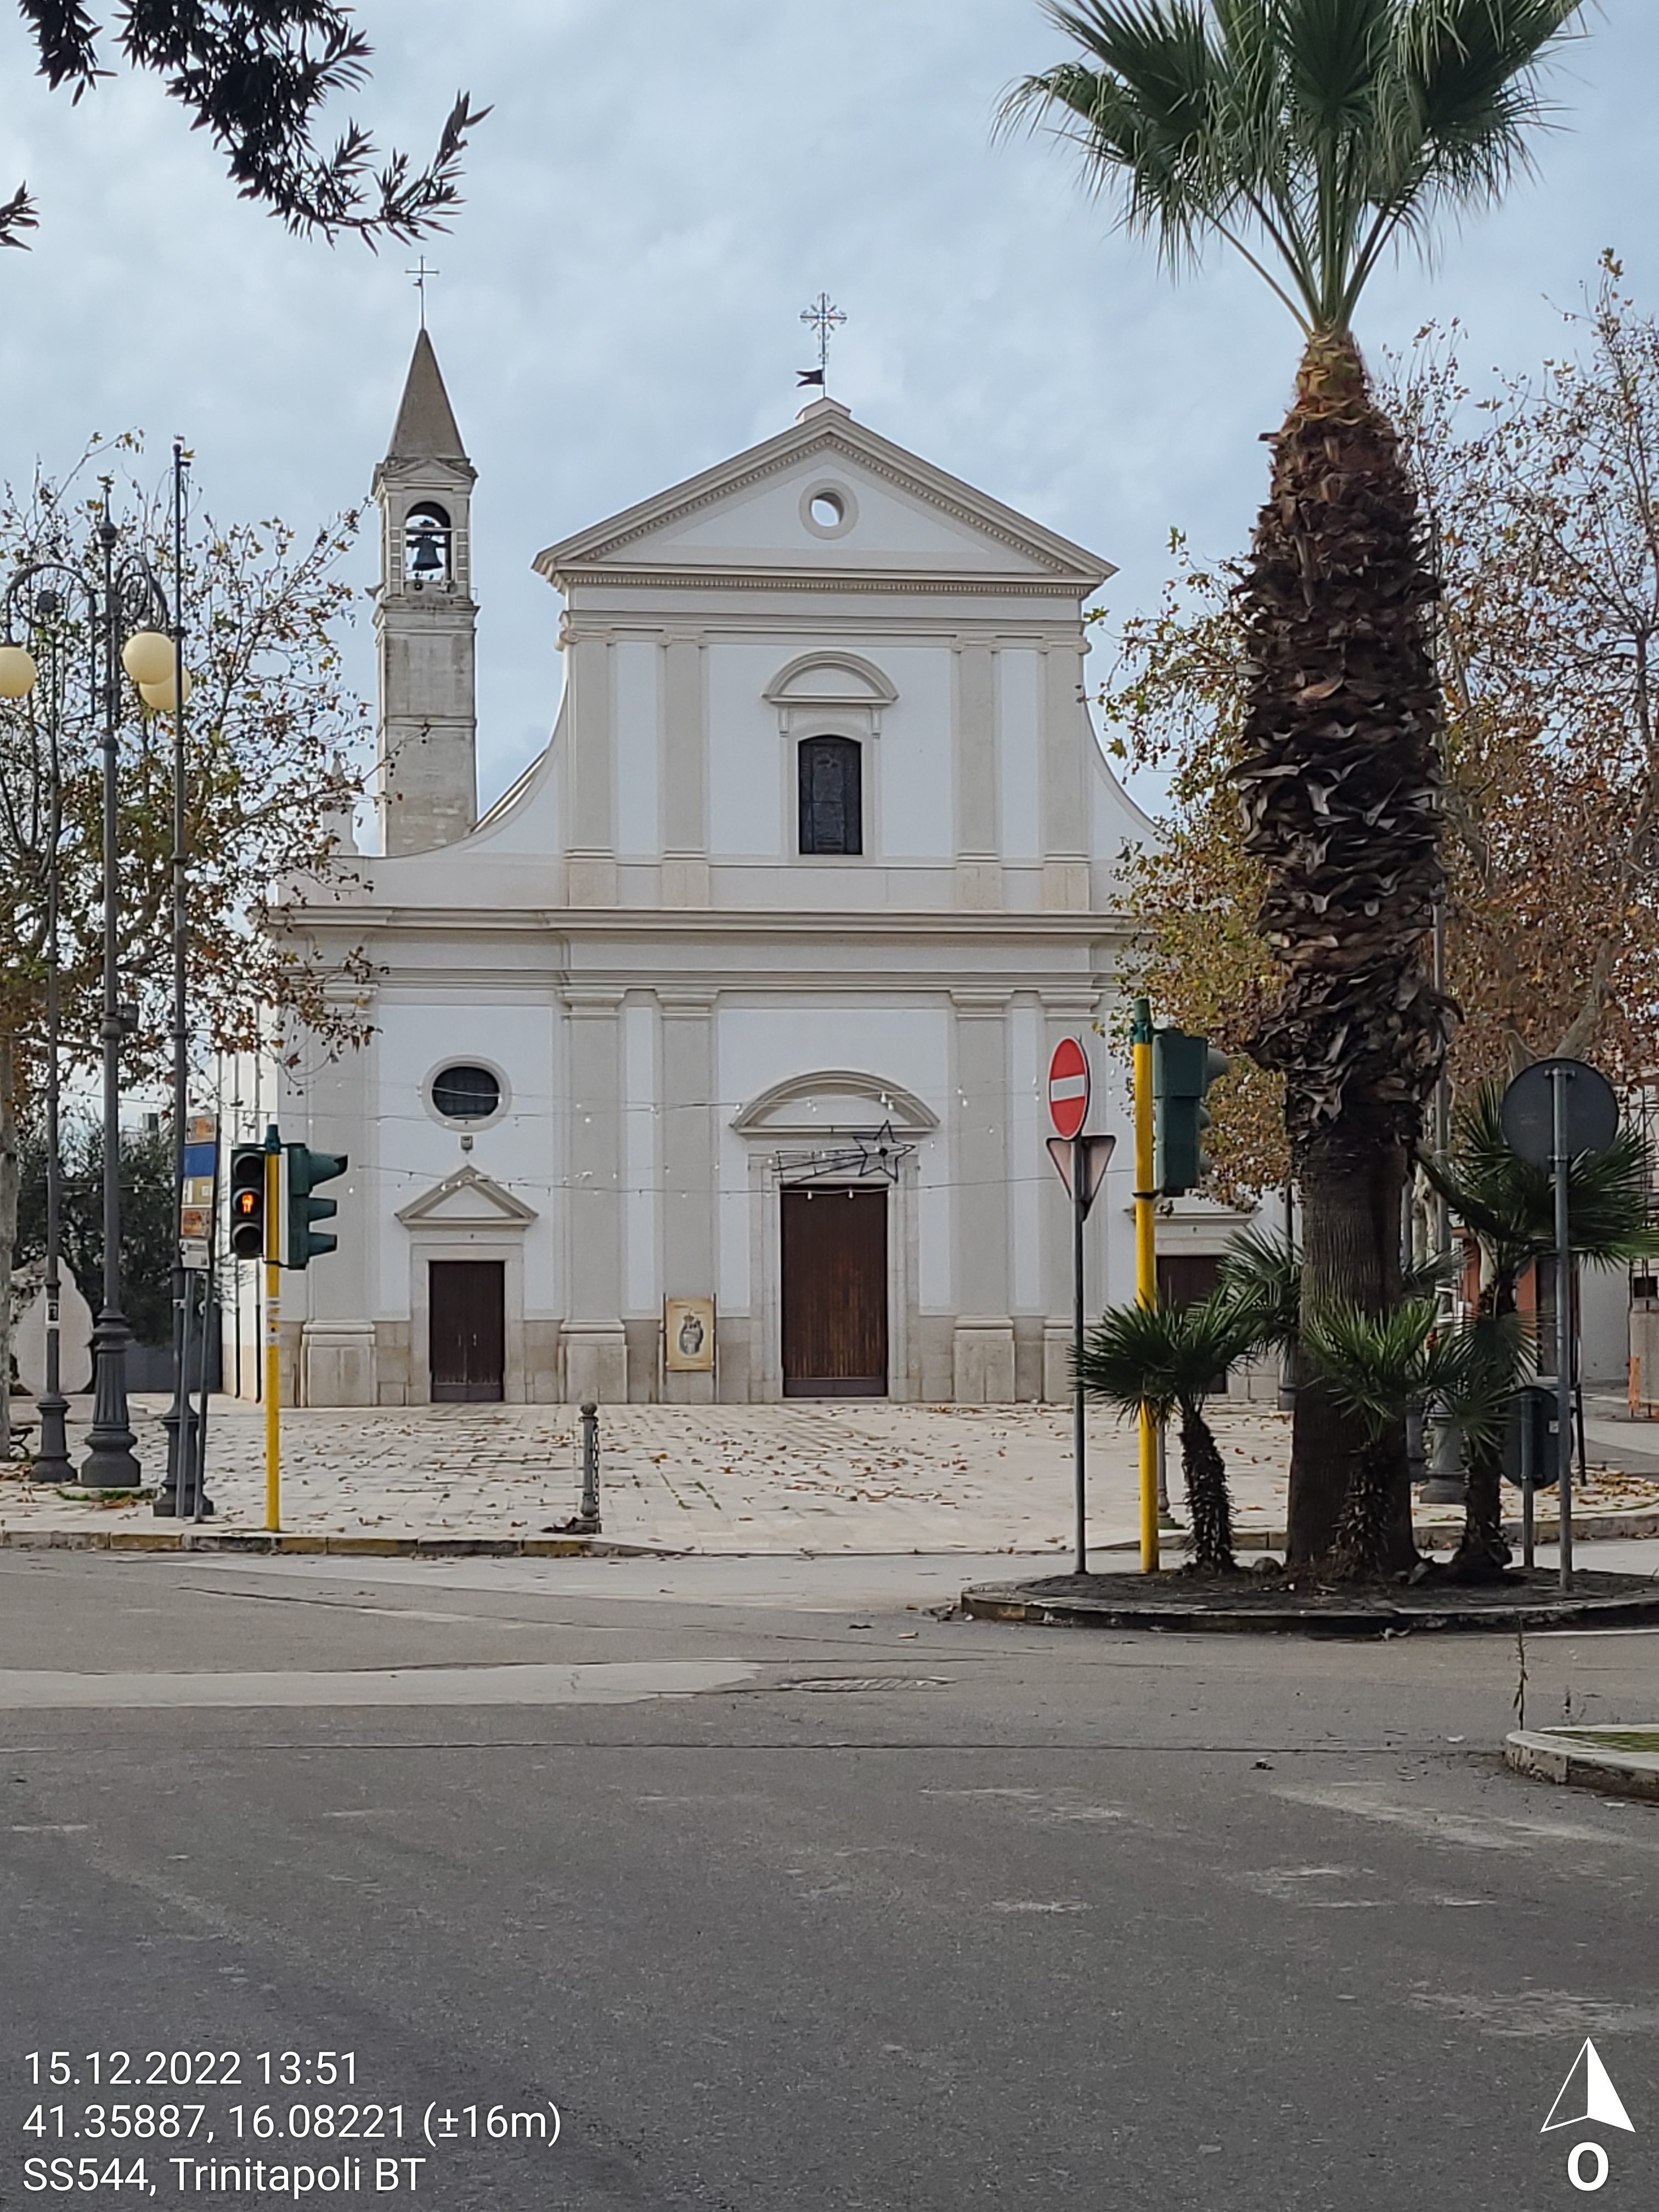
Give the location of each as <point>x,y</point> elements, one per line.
<point>1096,1151</point>
<point>1068,1087</point>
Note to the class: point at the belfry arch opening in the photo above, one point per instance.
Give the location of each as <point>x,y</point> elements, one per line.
<point>428,547</point>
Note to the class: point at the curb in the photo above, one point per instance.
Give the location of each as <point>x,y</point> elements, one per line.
<point>1020,1604</point>
<point>1574,1763</point>
<point>1594,1527</point>
<point>265,1542</point>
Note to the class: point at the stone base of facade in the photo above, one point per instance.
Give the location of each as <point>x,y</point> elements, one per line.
<point>595,1363</point>
<point>969,1360</point>
<point>338,1363</point>
<point>982,1360</point>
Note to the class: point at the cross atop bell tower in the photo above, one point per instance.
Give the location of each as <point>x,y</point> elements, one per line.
<point>425,622</point>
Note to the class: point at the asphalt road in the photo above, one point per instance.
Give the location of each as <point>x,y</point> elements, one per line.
<point>788,1896</point>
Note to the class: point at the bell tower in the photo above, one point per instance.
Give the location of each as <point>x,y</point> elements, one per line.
<point>425,621</point>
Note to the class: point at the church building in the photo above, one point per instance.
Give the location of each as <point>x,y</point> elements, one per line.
<point>710,1063</point>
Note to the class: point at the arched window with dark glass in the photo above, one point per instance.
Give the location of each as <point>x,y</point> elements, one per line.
<point>427,544</point>
<point>831,796</point>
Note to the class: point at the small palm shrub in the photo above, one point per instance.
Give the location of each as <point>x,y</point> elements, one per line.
<point>1376,1367</point>
<point>1165,1359</point>
<point>1508,1206</point>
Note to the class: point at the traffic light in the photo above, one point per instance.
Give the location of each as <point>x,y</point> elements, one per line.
<point>248,1201</point>
<point>1183,1068</point>
<point>306,1169</point>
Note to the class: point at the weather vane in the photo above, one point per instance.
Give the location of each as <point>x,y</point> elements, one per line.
<point>420,273</point>
<point>824,318</point>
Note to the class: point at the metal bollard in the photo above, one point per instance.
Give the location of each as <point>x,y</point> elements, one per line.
<point>588,1512</point>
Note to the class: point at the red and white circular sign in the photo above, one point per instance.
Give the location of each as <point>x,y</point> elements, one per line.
<point>1068,1087</point>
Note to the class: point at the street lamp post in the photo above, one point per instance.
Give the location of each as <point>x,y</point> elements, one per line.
<point>52,1462</point>
<point>17,679</point>
<point>126,617</point>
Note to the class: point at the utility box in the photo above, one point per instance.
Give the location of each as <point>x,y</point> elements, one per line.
<point>1530,1448</point>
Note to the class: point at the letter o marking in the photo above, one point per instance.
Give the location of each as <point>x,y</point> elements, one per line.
<point>1575,2167</point>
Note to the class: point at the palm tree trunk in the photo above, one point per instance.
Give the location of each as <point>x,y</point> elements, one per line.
<point>1482,1554</point>
<point>1338,780</point>
<point>1209,1507</point>
<point>1352,1184</point>
<point>1360,1550</point>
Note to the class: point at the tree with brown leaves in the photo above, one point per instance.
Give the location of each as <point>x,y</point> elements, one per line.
<point>274,740</point>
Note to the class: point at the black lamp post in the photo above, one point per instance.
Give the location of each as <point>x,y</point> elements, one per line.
<point>181,1492</point>
<point>125,615</point>
<point>38,606</point>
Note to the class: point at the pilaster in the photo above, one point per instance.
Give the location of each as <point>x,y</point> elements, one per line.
<point>591,850</point>
<point>594,1341</point>
<point>684,777</point>
<point>1065,887</point>
<point>983,1341</point>
<point>336,1349</point>
<point>688,1155</point>
<point>979,871</point>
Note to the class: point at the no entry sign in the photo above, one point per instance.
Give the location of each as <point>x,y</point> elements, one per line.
<point>1068,1087</point>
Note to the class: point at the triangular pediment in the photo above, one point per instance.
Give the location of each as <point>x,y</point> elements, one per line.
<point>825,497</point>
<point>467,1199</point>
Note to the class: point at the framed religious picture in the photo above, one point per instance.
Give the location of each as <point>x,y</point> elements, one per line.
<point>688,1336</point>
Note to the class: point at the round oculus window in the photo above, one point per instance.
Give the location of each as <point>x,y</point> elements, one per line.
<point>828,510</point>
<point>465,1093</point>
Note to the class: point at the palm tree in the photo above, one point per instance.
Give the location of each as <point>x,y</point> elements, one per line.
<point>1375,1367</point>
<point>1164,1358</point>
<point>1312,135</point>
<point>1509,1208</point>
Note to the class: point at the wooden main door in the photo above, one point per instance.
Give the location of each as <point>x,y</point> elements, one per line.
<point>835,1293</point>
<point>467,1335</point>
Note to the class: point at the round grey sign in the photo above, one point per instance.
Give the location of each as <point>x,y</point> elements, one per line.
<point>1590,1108</point>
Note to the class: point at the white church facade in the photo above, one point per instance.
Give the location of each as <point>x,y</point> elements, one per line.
<point>709,1064</point>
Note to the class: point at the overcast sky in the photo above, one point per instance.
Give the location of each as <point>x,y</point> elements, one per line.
<point>662,187</point>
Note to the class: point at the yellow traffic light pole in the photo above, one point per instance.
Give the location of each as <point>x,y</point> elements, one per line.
<point>1146,1264</point>
<point>273,1339</point>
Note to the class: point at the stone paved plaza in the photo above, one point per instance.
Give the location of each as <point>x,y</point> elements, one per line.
<point>844,1477</point>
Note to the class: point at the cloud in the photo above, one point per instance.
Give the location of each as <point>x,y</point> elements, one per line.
<point>660,191</point>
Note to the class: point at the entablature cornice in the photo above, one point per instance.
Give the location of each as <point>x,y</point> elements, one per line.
<point>680,925</point>
<point>973,584</point>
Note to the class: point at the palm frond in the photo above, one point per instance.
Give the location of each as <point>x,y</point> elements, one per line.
<point>1510,1205</point>
<point>1164,1357</point>
<point>1425,1278</point>
<point>1375,1365</point>
<point>1262,1274</point>
<point>1491,1357</point>
<point>1328,128</point>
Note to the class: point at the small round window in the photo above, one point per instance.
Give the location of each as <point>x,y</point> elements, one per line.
<point>828,509</point>
<point>465,1093</point>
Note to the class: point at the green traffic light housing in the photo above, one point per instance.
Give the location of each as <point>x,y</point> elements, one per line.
<point>1183,1068</point>
<point>306,1169</point>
